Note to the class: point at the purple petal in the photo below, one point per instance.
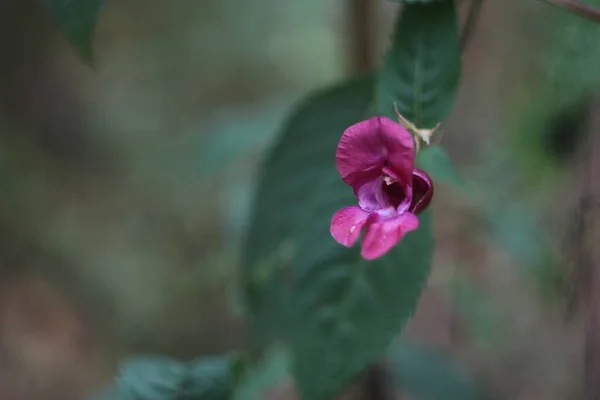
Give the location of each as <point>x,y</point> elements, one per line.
<point>381,236</point>
<point>360,153</point>
<point>371,196</point>
<point>346,225</point>
<point>377,196</point>
<point>399,145</point>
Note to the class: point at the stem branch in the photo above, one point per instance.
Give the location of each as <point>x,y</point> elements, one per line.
<point>471,22</point>
<point>576,7</point>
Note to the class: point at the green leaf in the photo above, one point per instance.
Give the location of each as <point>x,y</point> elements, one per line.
<point>77,19</point>
<point>336,304</point>
<point>152,378</point>
<point>213,378</point>
<point>568,65</point>
<point>261,379</point>
<point>436,162</point>
<point>348,310</point>
<point>302,154</point>
<point>425,374</point>
<point>162,378</point>
<point>422,68</point>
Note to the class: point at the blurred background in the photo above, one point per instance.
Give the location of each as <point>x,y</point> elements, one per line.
<point>126,187</point>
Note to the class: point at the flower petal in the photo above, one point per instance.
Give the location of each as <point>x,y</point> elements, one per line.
<point>360,153</point>
<point>399,145</point>
<point>370,195</point>
<point>382,235</point>
<point>373,197</point>
<point>346,225</point>
<point>423,191</point>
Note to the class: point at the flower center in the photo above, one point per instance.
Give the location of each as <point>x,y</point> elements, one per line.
<point>388,179</point>
<point>393,191</point>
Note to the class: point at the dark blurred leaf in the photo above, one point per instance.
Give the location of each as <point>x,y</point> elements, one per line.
<point>302,154</point>
<point>213,378</point>
<point>548,114</point>
<point>162,378</point>
<point>153,378</point>
<point>78,19</point>
<point>436,162</point>
<point>425,374</point>
<point>569,64</point>
<point>422,68</point>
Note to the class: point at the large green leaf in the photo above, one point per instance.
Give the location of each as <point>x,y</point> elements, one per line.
<point>341,312</point>
<point>422,67</point>
<point>78,18</point>
<point>302,154</point>
<point>425,374</point>
<point>348,310</point>
<point>330,301</point>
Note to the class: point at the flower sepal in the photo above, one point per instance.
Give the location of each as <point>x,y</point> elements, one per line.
<point>420,135</point>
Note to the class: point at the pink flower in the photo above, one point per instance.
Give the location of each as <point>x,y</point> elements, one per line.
<point>376,158</point>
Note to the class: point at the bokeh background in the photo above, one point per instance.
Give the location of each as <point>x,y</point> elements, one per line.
<point>126,188</point>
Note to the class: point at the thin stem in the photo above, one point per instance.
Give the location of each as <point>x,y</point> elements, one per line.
<point>591,257</point>
<point>360,25</point>
<point>377,383</point>
<point>471,22</point>
<point>576,7</point>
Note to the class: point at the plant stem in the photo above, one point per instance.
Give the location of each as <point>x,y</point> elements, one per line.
<point>576,7</point>
<point>377,383</point>
<point>360,28</point>
<point>471,22</point>
<point>591,286</point>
